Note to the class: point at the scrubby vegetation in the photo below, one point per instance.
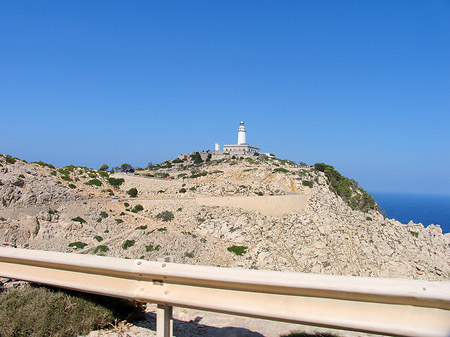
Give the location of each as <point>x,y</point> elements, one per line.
<point>280,169</point>
<point>79,219</point>
<point>137,208</point>
<point>116,182</point>
<point>78,244</point>
<point>238,250</point>
<point>41,163</point>
<point>42,311</point>
<point>142,227</point>
<point>165,216</point>
<point>415,234</point>
<point>356,197</point>
<point>308,183</point>
<point>127,244</point>
<point>151,248</point>
<point>132,192</point>
<point>95,182</point>
<point>101,249</point>
<point>197,158</point>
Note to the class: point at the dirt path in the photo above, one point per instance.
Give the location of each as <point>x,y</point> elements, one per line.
<point>268,205</point>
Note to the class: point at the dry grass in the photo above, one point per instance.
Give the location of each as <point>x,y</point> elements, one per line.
<point>41,311</point>
<point>305,334</point>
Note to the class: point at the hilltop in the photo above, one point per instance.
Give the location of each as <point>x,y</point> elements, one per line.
<point>249,212</point>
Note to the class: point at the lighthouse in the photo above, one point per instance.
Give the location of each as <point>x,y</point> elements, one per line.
<point>241,134</point>
<point>241,148</point>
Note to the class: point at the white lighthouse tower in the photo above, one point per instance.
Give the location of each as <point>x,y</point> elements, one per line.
<point>241,134</point>
<point>241,148</point>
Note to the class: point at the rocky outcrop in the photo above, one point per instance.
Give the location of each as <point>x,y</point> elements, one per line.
<point>28,185</point>
<point>322,235</point>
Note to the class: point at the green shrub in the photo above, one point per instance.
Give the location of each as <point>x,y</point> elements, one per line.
<point>98,238</point>
<point>10,160</point>
<point>150,248</point>
<point>238,250</point>
<point>79,219</point>
<point>369,218</point>
<point>41,163</point>
<point>53,173</point>
<point>165,216</point>
<point>119,221</point>
<point>415,234</point>
<point>280,169</point>
<point>101,249</point>
<point>132,192</point>
<point>182,190</point>
<point>162,229</point>
<point>308,183</point>
<point>66,178</point>
<point>116,182</point>
<point>92,175</point>
<point>197,158</point>
<point>95,182</point>
<point>200,174</point>
<point>127,244</point>
<point>103,174</point>
<point>181,175</point>
<point>78,244</point>
<point>63,172</point>
<point>189,255</point>
<point>72,186</point>
<point>137,208</point>
<point>356,197</point>
<point>143,227</point>
<point>69,168</point>
<point>104,167</point>
<point>103,214</point>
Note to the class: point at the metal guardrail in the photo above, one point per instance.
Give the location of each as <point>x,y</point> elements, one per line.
<point>386,306</point>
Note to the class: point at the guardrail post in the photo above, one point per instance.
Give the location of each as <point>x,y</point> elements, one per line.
<point>164,321</point>
<point>164,313</point>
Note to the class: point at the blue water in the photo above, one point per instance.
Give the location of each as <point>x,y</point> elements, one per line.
<point>426,209</point>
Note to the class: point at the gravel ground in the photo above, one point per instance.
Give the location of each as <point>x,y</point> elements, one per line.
<point>194,323</point>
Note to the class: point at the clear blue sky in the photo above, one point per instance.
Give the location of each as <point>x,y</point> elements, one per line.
<point>361,85</point>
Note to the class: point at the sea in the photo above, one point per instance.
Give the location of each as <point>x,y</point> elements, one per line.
<point>420,208</point>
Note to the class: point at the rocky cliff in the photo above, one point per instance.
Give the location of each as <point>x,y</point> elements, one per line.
<point>261,213</point>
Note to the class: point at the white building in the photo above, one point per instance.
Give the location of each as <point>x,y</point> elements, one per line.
<point>241,148</point>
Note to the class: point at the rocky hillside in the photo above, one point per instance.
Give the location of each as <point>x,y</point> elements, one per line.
<point>260,213</point>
